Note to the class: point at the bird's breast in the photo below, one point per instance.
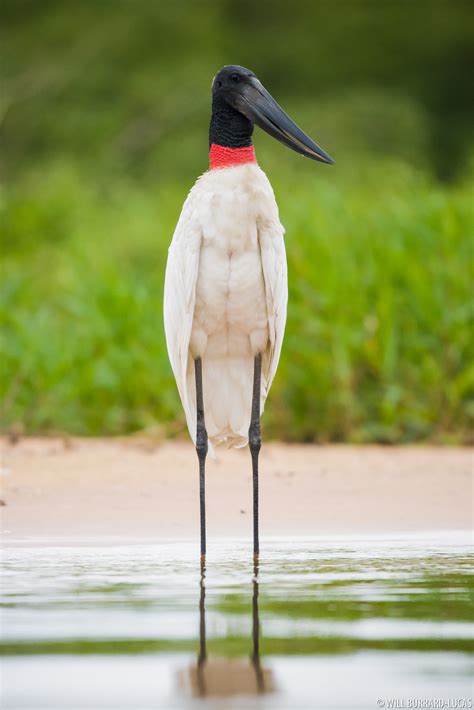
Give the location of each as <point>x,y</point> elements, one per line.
<point>230,310</point>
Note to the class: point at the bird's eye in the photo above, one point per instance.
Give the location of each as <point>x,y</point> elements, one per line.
<point>235,77</point>
<point>219,83</point>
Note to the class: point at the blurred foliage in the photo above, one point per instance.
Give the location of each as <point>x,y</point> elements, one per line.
<point>120,84</point>
<point>104,113</point>
<point>378,338</point>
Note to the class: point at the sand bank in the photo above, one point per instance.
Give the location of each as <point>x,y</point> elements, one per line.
<point>135,488</point>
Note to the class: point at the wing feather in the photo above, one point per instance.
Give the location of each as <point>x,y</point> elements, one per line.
<point>179,300</point>
<point>275,274</point>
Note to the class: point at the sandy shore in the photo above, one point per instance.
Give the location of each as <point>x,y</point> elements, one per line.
<point>109,487</point>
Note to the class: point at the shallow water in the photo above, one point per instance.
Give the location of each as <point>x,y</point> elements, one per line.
<point>321,623</point>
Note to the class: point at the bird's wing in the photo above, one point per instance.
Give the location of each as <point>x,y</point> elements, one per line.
<point>179,299</point>
<point>273,255</point>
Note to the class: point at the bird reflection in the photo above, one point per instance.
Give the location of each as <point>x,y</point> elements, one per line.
<point>259,675</point>
<point>202,634</point>
<point>217,676</point>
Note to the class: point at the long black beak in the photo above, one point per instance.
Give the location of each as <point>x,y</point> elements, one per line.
<point>254,101</point>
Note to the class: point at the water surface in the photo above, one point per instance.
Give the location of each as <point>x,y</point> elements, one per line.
<point>336,622</point>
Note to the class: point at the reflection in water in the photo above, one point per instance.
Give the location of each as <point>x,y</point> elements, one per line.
<point>345,622</point>
<point>202,635</point>
<point>256,633</point>
<point>227,676</point>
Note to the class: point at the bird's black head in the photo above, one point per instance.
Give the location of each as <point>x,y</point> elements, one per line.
<point>229,127</point>
<point>239,101</point>
<point>226,83</point>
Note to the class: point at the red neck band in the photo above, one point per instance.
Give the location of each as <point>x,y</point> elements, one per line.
<point>222,157</point>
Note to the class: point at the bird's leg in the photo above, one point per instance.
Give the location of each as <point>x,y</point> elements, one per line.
<point>255,443</point>
<point>201,448</point>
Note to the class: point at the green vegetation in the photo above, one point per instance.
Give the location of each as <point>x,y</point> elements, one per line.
<point>122,85</point>
<point>104,118</point>
<point>378,339</point>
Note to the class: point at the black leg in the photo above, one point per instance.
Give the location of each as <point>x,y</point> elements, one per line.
<point>255,443</point>
<point>201,448</point>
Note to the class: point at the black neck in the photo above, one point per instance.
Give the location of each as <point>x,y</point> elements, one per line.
<point>228,127</point>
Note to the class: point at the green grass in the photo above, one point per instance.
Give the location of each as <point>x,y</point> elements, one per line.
<point>378,344</point>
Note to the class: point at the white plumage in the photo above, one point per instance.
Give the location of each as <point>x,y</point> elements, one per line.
<point>226,296</point>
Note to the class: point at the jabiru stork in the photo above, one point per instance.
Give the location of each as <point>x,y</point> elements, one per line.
<point>226,290</point>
